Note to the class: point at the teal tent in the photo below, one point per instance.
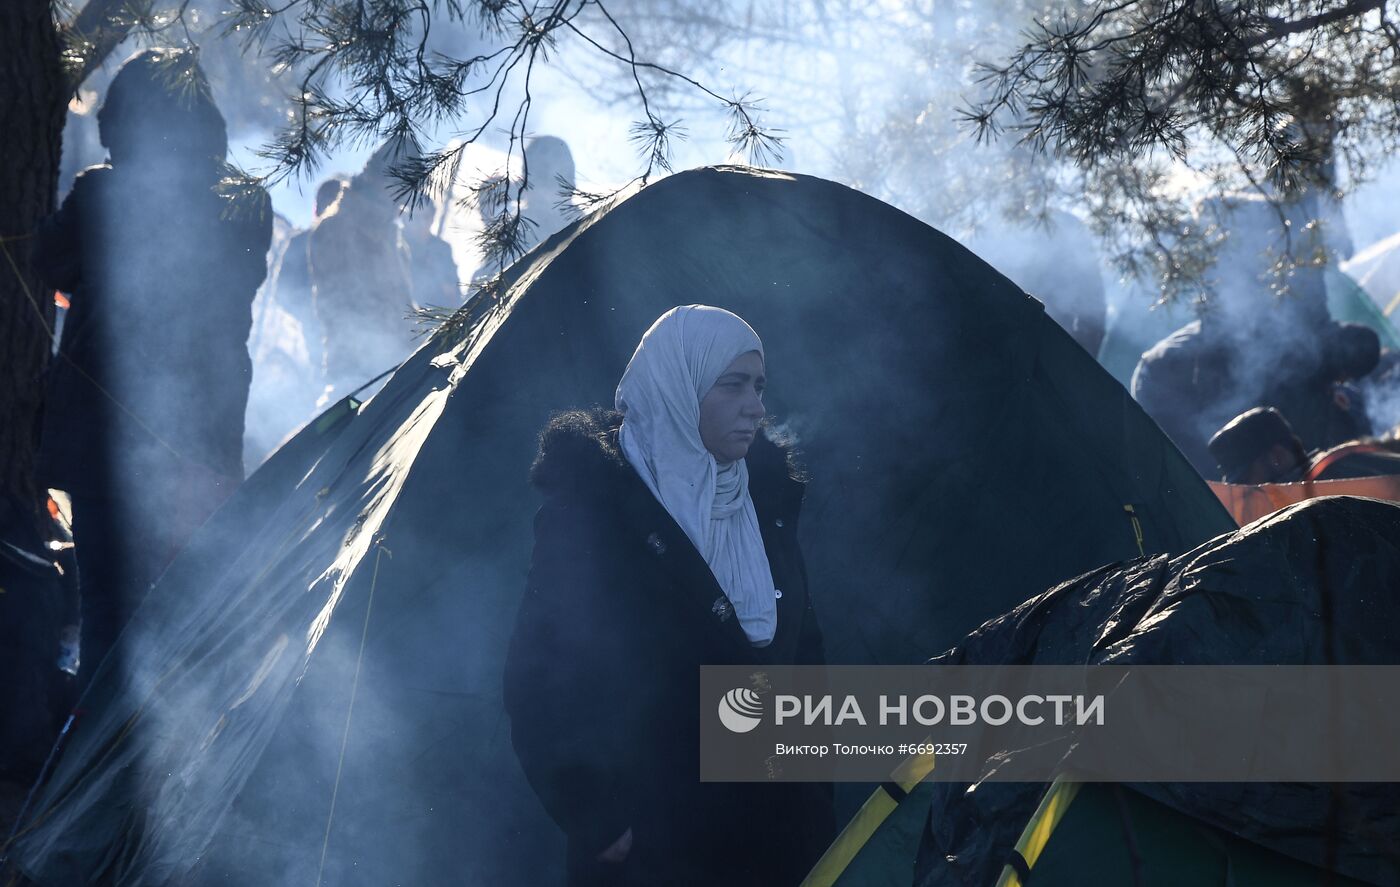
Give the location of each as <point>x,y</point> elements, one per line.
<point>1348,302</point>
<point>311,694</point>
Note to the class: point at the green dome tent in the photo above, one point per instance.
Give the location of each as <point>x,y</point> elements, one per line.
<point>311,693</point>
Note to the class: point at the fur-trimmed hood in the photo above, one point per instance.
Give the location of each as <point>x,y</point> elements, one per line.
<point>580,457</point>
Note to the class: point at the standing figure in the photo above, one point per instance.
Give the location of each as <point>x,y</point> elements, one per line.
<point>362,290</point>
<point>286,341</point>
<point>431,265</point>
<point>1253,346</point>
<point>292,284</point>
<point>1291,357</point>
<point>162,249</point>
<point>667,540</point>
<point>545,203</point>
<point>491,205</point>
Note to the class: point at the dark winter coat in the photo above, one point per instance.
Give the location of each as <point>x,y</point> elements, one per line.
<point>602,677</point>
<point>162,250</point>
<point>431,266</point>
<point>1187,383</point>
<point>1200,377</point>
<point>362,288</point>
<point>154,365</point>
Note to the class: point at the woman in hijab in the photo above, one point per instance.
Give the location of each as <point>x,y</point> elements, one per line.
<point>667,540</point>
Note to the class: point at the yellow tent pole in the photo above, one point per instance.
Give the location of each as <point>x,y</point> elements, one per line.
<point>1038,830</point>
<point>868,819</point>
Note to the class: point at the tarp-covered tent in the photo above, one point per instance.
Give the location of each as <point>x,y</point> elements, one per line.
<point>311,694</point>
<point>1312,585</point>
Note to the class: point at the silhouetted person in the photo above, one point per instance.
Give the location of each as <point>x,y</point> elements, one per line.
<point>1206,372</point>
<point>362,290</point>
<point>1252,348</point>
<point>543,206</point>
<point>287,338</point>
<point>1327,407</point>
<point>1296,359</point>
<point>431,265</point>
<point>162,250</point>
<point>292,284</point>
<point>550,166</point>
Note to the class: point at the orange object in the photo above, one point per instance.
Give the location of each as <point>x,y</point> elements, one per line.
<point>1327,459</point>
<point>1249,502</point>
<point>60,299</point>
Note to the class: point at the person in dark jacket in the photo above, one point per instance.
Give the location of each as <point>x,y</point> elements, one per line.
<point>1294,358</point>
<point>431,266</point>
<point>1254,347</point>
<point>162,249</point>
<point>292,282</point>
<point>547,197</point>
<point>362,287</point>
<point>667,540</point>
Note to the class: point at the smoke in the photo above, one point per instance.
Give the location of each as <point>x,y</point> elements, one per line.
<point>1370,206</point>
<point>431,677</point>
<point>1382,398</point>
<point>827,83</point>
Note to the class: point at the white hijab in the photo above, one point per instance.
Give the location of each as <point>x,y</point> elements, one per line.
<point>673,368</point>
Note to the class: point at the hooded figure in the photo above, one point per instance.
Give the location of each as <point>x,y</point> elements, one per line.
<point>162,250</point>
<point>666,541</point>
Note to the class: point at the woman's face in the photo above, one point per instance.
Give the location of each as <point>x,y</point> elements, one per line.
<point>730,412</point>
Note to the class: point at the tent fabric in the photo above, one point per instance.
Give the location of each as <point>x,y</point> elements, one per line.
<point>888,821</point>
<point>1083,829</point>
<point>1376,269</point>
<point>1348,302</point>
<point>1307,586</point>
<point>311,694</point>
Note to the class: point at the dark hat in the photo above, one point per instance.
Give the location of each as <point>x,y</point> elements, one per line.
<point>1248,436</point>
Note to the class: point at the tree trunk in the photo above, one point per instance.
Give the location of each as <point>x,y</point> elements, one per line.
<point>33,98</point>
